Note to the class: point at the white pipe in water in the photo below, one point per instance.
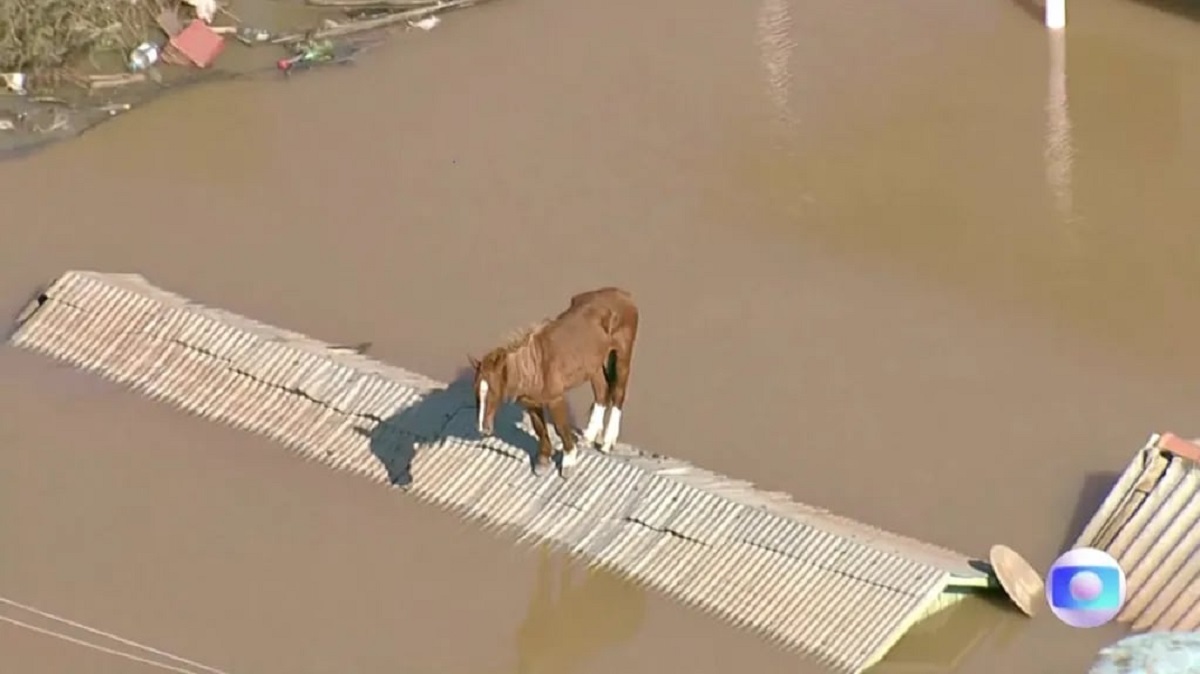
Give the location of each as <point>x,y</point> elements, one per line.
<point>1056,14</point>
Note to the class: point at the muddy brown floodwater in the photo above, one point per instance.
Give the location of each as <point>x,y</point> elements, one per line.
<point>914,263</point>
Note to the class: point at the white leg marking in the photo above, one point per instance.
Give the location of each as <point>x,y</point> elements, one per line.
<point>612,430</point>
<point>570,459</point>
<point>482,398</point>
<point>595,424</point>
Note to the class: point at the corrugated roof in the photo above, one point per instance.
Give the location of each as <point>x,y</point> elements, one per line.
<point>838,590</point>
<point>1150,522</point>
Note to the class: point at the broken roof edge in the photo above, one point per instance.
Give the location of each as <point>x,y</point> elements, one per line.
<point>1117,505</point>
<point>1148,524</point>
<point>1174,444</point>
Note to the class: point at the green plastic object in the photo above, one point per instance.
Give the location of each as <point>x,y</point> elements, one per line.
<point>317,50</point>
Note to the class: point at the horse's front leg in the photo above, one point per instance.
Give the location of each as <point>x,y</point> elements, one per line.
<point>562,424</point>
<point>544,461</point>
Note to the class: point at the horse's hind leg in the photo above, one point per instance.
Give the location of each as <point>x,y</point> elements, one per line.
<point>562,424</point>
<point>612,428</point>
<point>544,462</point>
<point>600,401</point>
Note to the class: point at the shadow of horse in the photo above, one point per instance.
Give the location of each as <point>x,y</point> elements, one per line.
<point>576,613</point>
<point>444,413</point>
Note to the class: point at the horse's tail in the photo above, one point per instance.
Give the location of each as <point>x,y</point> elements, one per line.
<point>610,368</point>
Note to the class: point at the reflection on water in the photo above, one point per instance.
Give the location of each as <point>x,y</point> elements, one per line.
<point>943,642</point>
<point>576,614</point>
<point>993,170</point>
<point>1059,147</point>
<point>774,38</point>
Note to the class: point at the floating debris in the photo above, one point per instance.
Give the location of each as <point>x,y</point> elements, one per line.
<point>308,53</point>
<point>111,81</point>
<point>52,45</point>
<point>15,82</point>
<point>10,120</point>
<point>143,56</point>
<point>252,36</point>
<point>115,109</point>
<point>206,10</point>
<point>428,23</point>
<point>376,23</point>
<point>319,52</point>
<point>197,44</point>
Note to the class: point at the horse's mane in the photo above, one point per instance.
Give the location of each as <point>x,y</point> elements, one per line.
<point>518,338</point>
<point>524,363</point>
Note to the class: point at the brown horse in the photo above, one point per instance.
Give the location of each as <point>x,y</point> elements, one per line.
<point>591,341</point>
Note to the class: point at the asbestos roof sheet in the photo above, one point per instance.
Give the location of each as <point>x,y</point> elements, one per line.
<point>1150,523</point>
<point>837,590</point>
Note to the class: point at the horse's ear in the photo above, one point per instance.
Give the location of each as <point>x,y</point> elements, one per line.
<point>474,363</point>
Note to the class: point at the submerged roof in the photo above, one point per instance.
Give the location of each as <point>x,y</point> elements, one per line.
<point>1150,522</point>
<point>838,590</point>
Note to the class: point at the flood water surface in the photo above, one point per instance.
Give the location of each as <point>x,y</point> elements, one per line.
<point>923,266</point>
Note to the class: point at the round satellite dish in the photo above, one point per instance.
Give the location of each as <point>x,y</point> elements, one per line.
<point>1020,581</point>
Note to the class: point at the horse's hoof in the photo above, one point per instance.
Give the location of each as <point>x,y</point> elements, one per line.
<point>543,467</point>
<point>567,472</point>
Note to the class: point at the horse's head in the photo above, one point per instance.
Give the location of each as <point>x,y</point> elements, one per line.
<point>491,377</point>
